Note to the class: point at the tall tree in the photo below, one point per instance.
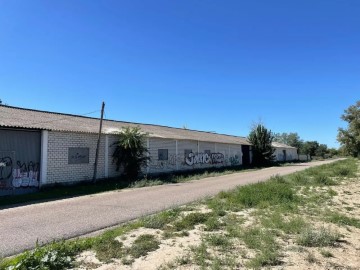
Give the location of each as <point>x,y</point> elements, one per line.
<point>349,138</point>
<point>309,148</point>
<point>321,150</point>
<point>131,152</point>
<point>261,139</point>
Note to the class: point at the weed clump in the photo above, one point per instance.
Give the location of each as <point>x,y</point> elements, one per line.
<point>143,245</point>
<point>160,220</point>
<point>108,249</point>
<point>264,194</point>
<point>318,238</point>
<point>190,220</point>
<point>58,255</point>
<point>323,180</point>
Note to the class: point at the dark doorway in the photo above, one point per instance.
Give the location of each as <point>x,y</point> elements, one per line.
<point>284,153</point>
<point>246,155</point>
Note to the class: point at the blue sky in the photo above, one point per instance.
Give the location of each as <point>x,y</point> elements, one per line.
<point>210,65</point>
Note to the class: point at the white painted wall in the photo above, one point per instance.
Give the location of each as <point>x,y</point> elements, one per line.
<point>59,171</point>
<point>291,154</point>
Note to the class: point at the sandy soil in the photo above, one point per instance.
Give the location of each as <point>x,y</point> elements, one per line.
<point>346,255</point>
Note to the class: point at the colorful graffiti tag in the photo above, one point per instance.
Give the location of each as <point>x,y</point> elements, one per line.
<point>21,174</point>
<point>26,175</point>
<point>204,158</point>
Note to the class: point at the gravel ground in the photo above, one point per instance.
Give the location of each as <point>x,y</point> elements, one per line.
<point>21,227</point>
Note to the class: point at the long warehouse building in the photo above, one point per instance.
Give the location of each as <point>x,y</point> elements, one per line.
<point>39,148</point>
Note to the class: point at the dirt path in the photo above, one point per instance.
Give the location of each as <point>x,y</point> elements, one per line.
<point>21,227</point>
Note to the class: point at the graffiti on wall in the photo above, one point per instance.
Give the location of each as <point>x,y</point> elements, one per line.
<point>26,174</point>
<point>5,168</point>
<point>21,174</point>
<point>194,159</point>
<point>234,160</point>
<point>217,158</point>
<point>204,158</point>
<point>165,164</point>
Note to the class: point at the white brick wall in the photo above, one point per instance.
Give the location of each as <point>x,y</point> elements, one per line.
<point>58,169</point>
<point>156,165</point>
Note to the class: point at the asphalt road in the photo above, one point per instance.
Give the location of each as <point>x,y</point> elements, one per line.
<point>22,226</point>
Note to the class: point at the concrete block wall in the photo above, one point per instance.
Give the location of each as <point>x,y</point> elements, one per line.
<point>156,165</point>
<point>177,159</point>
<point>58,169</point>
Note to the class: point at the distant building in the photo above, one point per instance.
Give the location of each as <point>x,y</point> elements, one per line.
<point>285,152</point>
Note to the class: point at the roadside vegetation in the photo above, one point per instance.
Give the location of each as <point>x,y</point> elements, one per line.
<point>300,221</point>
<point>122,182</point>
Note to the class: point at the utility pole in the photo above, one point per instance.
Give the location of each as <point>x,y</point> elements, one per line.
<point>98,142</point>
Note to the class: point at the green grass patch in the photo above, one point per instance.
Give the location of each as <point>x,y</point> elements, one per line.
<point>143,245</point>
<point>108,249</point>
<point>200,254</point>
<point>189,221</point>
<point>233,225</point>
<point>161,220</point>
<point>323,180</point>
<point>341,219</point>
<point>291,225</point>
<point>57,255</point>
<point>213,223</point>
<point>265,194</point>
<point>219,241</point>
<point>300,179</point>
<point>342,168</point>
<point>263,241</point>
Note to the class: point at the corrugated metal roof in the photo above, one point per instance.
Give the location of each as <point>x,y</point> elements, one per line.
<point>14,117</point>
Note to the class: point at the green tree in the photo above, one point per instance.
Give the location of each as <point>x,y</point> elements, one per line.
<point>261,139</point>
<point>292,139</point>
<point>321,150</point>
<point>309,148</point>
<point>349,138</point>
<point>333,152</point>
<point>131,152</point>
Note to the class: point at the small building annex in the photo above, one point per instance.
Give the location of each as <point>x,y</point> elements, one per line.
<point>284,152</point>
<point>39,148</point>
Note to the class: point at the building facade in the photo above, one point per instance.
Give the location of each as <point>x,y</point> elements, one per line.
<point>39,148</point>
<point>285,152</point>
